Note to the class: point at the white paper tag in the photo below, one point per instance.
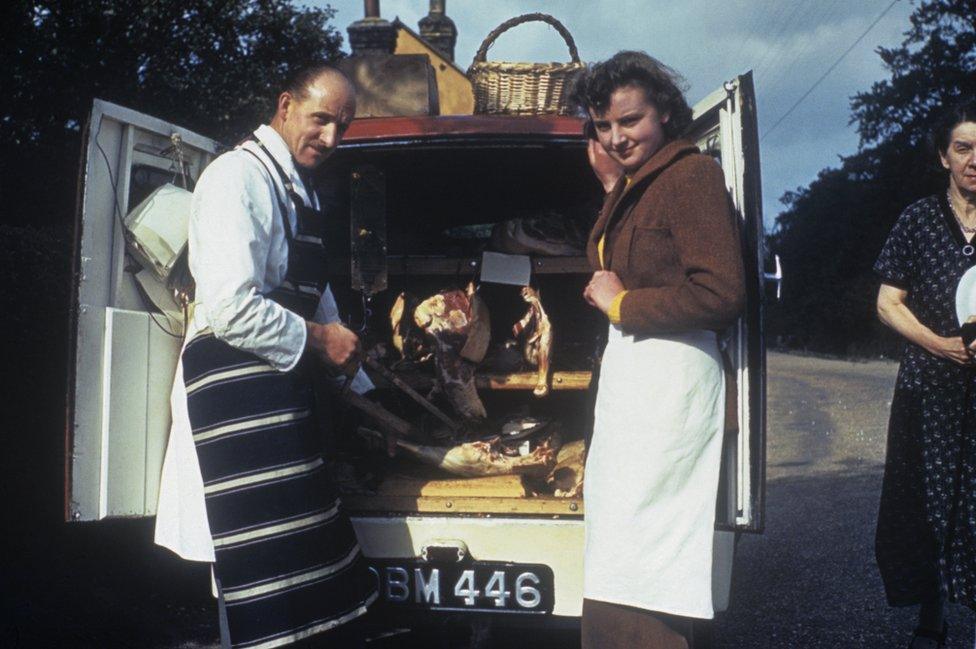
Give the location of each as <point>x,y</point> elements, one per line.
<point>506,269</point>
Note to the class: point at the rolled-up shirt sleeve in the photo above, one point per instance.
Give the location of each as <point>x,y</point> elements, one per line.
<point>232,222</point>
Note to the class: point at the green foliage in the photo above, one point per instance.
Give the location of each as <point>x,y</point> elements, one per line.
<point>832,230</point>
<point>210,66</point>
<point>34,300</point>
<point>34,261</point>
<point>934,67</point>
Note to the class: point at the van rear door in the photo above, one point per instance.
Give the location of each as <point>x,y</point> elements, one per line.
<point>123,351</point>
<point>725,127</point>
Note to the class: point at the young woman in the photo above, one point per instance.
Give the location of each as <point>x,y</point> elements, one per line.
<point>926,538</point>
<point>669,275</point>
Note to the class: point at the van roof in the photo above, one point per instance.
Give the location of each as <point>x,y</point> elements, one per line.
<point>381,129</point>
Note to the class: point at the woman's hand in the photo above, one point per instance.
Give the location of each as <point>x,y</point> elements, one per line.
<point>603,287</point>
<point>607,170</point>
<point>952,349</point>
<point>894,312</point>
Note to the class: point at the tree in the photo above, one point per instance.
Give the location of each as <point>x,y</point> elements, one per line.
<point>212,66</point>
<point>932,68</point>
<point>832,230</point>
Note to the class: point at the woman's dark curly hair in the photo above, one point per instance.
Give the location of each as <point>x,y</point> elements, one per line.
<point>964,111</point>
<point>661,86</point>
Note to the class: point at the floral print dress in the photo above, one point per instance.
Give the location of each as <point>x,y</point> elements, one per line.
<point>926,535</point>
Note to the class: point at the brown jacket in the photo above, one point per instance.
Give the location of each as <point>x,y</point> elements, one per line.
<point>673,240</point>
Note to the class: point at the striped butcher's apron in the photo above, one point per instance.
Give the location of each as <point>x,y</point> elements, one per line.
<point>288,564</point>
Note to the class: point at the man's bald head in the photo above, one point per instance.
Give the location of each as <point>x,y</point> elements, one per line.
<point>313,111</point>
<point>298,82</point>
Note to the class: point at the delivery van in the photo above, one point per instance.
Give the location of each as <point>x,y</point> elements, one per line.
<point>415,205</point>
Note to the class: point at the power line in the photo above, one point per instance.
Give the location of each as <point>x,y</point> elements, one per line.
<point>774,45</point>
<point>770,81</point>
<point>744,43</point>
<point>829,70</point>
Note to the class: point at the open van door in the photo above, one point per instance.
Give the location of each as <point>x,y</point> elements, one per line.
<point>725,127</point>
<point>124,348</point>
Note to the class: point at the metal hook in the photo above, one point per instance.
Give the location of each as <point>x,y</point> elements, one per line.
<point>366,311</point>
<point>178,155</point>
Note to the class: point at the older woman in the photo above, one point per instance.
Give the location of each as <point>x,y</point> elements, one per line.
<point>926,538</point>
<point>668,275</point>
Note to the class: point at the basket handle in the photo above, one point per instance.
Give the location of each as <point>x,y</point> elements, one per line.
<point>518,20</point>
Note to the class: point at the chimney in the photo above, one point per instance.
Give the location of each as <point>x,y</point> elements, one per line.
<point>372,35</point>
<point>439,30</point>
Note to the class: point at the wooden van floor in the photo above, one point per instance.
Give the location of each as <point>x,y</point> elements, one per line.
<point>403,485</point>
<point>502,486</point>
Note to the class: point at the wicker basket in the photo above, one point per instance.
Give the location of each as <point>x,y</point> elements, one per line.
<point>502,88</point>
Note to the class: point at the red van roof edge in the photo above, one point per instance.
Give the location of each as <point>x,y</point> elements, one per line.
<point>422,127</point>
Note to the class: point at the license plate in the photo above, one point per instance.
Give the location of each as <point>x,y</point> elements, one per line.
<point>482,586</point>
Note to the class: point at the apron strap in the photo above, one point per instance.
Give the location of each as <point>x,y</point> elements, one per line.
<point>299,293</point>
<point>281,201</point>
<point>285,178</point>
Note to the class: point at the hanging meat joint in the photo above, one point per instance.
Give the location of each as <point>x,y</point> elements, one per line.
<point>406,339</point>
<point>458,324</point>
<point>538,338</point>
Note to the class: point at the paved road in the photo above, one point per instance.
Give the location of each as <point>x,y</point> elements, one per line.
<point>809,582</point>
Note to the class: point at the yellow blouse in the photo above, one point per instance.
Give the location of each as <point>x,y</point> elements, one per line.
<point>614,311</point>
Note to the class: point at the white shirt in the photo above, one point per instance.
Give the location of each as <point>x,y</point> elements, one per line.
<point>237,253</point>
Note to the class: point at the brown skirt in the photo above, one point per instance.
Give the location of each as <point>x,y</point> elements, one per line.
<point>614,626</point>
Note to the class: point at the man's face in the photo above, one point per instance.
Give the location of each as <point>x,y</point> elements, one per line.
<point>313,127</point>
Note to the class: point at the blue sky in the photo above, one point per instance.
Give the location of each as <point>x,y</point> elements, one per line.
<point>788,45</point>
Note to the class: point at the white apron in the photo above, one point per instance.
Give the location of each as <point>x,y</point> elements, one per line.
<point>181,512</point>
<point>652,473</point>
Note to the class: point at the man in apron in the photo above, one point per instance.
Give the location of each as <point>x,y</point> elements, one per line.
<point>244,482</point>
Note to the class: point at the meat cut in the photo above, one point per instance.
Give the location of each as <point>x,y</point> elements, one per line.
<point>487,458</point>
<point>457,323</point>
<point>538,338</point>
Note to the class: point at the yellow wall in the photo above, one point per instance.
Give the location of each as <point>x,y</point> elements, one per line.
<point>453,88</point>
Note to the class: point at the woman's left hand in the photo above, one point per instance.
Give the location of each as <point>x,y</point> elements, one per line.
<point>607,170</point>
<point>603,287</point>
